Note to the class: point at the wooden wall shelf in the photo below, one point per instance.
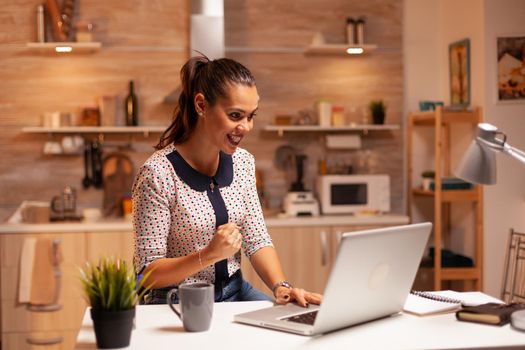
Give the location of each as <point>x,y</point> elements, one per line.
<point>340,49</point>
<point>146,130</point>
<point>364,128</point>
<point>449,195</point>
<point>64,47</point>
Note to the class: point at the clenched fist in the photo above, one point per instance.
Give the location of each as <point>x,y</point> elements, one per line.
<point>226,242</point>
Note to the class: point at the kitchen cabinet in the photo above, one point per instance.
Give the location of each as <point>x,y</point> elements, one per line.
<point>442,121</point>
<point>115,244</point>
<point>23,328</point>
<point>307,254</point>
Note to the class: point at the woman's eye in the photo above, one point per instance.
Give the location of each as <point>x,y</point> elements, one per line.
<point>235,115</point>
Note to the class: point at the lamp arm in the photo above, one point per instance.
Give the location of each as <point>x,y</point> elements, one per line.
<point>514,153</point>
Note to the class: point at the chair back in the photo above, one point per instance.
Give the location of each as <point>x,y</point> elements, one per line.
<point>513,286</point>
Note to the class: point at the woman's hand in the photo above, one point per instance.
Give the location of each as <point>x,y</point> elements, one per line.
<point>284,295</point>
<point>225,242</point>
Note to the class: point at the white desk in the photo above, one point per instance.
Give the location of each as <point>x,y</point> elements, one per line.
<point>157,327</point>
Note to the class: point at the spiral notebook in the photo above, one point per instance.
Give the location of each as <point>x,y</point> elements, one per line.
<point>445,301</point>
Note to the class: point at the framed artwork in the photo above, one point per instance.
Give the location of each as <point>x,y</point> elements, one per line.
<point>459,65</point>
<point>511,69</point>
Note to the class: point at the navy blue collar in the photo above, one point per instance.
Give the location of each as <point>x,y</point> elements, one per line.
<point>198,181</point>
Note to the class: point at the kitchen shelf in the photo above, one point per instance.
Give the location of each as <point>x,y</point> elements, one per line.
<point>340,49</point>
<point>280,129</point>
<point>455,273</point>
<point>145,130</point>
<point>447,117</point>
<point>449,195</point>
<point>64,47</point>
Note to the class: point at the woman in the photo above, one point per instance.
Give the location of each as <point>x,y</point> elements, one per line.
<point>195,201</point>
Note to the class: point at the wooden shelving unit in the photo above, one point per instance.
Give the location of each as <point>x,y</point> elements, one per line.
<point>441,121</point>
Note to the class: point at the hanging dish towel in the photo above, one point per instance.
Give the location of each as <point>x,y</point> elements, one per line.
<point>40,260</point>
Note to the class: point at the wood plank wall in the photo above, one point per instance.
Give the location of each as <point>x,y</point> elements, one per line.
<point>147,41</point>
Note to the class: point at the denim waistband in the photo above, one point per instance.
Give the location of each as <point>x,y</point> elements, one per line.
<point>223,290</point>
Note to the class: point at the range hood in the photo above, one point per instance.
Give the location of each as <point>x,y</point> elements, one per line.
<point>206,33</point>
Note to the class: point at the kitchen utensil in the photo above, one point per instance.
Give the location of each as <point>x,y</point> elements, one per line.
<point>53,12</point>
<point>86,181</point>
<point>68,8</point>
<point>65,204</point>
<point>52,147</point>
<point>117,173</point>
<point>96,164</point>
<point>91,214</point>
<point>72,144</point>
<point>284,157</point>
<point>298,185</point>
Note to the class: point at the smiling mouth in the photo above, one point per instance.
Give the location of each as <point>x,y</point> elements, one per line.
<point>234,139</point>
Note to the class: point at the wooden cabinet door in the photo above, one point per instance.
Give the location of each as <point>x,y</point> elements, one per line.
<point>304,253</point>
<point>107,244</point>
<point>338,231</point>
<point>15,316</point>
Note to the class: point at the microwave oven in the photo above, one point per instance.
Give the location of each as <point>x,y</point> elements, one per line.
<point>351,194</point>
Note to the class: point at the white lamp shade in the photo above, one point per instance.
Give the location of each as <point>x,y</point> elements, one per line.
<point>478,165</point>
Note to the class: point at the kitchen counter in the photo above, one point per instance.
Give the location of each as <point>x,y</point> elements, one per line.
<point>331,220</point>
<point>126,225</point>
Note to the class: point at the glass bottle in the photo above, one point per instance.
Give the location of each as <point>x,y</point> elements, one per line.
<point>360,31</point>
<point>131,106</point>
<point>350,31</point>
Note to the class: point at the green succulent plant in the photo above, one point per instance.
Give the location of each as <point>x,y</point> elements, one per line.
<point>377,107</point>
<point>378,110</point>
<point>112,285</point>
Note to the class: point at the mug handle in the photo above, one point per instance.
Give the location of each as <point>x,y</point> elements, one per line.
<point>168,297</point>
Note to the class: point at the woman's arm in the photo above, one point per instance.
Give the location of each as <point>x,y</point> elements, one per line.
<point>267,265</point>
<point>168,271</point>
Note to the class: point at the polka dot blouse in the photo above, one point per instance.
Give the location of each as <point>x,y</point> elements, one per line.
<point>173,216</point>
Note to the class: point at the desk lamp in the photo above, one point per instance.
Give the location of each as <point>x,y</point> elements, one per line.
<point>479,166</point>
<point>479,163</point>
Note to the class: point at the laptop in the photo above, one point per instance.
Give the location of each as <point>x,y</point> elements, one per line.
<point>371,278</point>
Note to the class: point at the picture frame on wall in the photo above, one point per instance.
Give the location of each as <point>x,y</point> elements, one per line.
<point>511,69</point>
<point>459,66</point>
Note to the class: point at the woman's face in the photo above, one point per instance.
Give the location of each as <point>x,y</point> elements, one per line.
<point>231,118</point>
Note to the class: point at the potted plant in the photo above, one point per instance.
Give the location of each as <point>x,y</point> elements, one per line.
<point>378,110</point>
<point>112,290</point>
<point>428,177</point>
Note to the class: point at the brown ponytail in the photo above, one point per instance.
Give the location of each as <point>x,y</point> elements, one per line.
<point>209,77</point>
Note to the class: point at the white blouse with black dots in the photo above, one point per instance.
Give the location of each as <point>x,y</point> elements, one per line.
<point>171,219</point>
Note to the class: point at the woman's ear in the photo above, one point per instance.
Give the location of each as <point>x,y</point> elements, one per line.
<point>200,103</point>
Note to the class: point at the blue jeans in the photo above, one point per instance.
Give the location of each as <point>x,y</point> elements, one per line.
<point>236,289</point>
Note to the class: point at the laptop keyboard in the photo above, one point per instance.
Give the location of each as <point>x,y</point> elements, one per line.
<point>306,318</point>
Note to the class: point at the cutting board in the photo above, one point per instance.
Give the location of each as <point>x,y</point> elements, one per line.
<point>118,174</point>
